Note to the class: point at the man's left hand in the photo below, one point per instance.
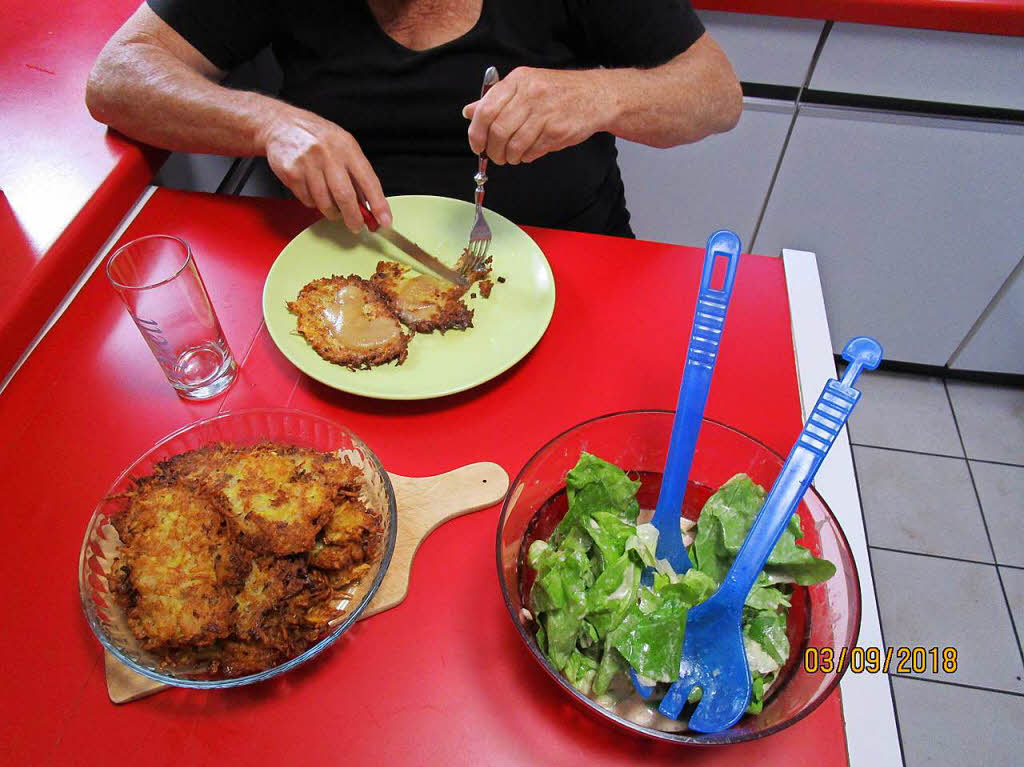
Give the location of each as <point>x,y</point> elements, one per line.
<point>536,111</point>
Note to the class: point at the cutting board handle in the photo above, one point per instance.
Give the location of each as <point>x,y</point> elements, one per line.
<point>424,503</point>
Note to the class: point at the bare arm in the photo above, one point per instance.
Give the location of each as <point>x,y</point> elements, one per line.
<point>150,83</point>
<point>536,111</point>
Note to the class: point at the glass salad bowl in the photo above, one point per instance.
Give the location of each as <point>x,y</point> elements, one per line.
<point>245,427</point>
<point>824,618</point>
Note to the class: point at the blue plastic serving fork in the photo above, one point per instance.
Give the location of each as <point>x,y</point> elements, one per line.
<point>708,323</point>
<point>714,657</point>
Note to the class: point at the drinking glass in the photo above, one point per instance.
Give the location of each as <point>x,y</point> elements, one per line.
<point>159,282</point>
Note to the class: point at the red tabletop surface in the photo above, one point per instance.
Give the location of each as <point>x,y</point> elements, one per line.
<point>68,181</point>
<point>443,678</point>
<point>994,17</point>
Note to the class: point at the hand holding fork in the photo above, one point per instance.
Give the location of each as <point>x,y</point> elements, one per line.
<point>480,234</point>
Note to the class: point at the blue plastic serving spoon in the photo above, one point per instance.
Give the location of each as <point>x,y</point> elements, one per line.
<point>708,322</point>
<point>714,658</point>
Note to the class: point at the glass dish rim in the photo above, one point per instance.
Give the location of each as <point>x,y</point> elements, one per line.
<point>316,649</point>
<point>711,739</point>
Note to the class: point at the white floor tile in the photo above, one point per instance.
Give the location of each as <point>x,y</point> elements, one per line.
<point>955,726</point>
<point>1001,490</point>
<point>1013,581</point>
<point>904,411</point>
<point>922,503</point>
<point>932,602</point>
<point>991,420</point>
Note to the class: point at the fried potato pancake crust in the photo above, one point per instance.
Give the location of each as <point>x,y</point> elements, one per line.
<point>422,303</point>
<point>349,539</point>
<point>234,559</point>
<point>178,566</point>
<point>348,322</point>
<point>278,497</point>
<point>270,580</point>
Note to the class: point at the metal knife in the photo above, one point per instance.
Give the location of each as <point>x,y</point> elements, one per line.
<point>413,250</point>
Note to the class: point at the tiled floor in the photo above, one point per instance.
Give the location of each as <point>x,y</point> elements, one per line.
<point>940,466</point>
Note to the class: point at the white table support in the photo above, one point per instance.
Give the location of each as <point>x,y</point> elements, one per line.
<point>868,710</point>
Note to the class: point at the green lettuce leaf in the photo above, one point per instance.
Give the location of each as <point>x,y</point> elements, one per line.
<point>723,525</point>
<point>596,485</point>
<point>768,629</point>
<point>756,696</point>
<point>650,637</point>
<point>609,534</point>
<point>563,577</point>
<point>612,594</point>
<point>580,670</point>
<point>766,596</point>
<point>611,663</point>
<point>561,629</point>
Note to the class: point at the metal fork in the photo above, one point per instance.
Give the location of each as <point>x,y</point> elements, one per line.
<point>480,234</point>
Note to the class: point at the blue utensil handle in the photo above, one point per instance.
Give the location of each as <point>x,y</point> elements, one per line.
<point>827,418</point>
<point>705,337</point>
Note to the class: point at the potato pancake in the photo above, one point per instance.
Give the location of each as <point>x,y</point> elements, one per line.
<point>178,568</point>
<point>234,559</point>
<point>269,581</point>
<point>348,322</point>
<point>278,497</point>
<point>422,303</point>
<point>349,539</point>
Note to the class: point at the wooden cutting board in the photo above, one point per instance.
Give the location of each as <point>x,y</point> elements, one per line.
<point>423,503</point>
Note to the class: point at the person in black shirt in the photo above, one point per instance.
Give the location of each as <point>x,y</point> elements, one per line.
<point>379,96</point>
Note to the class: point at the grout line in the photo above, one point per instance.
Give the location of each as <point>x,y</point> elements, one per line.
<point>789,134</point>
<point>878,603</point>
<point>989,308</point>
<point>906,450</point>
<point>896,716</point>
<point>953,374</point>
<point>999,575</point>
<point>950,683</point>
<point>996,463</point>
<point>937,455</point>
<point>939,556</point>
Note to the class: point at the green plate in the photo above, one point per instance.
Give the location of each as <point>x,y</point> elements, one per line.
<point>505,327</point>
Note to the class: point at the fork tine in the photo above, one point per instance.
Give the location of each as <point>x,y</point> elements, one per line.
<point>674,700</point>
<point>719,709</point>
<point>478,255</point>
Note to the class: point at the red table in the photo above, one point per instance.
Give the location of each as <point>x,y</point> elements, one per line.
<point>443,678</point>
<point>67,180</point>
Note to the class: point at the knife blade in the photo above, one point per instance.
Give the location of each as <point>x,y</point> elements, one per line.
<point>413,250</point>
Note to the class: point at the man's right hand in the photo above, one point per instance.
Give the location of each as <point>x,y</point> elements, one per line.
<point>323,166</point>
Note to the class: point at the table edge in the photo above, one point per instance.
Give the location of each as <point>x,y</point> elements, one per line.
<point>79,283</point>
<point>872,737</point>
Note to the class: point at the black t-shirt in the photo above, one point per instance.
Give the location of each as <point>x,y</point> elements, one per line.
<point>404,107</point>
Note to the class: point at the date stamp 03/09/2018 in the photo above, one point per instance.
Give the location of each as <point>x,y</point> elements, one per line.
<point>874,660</point>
